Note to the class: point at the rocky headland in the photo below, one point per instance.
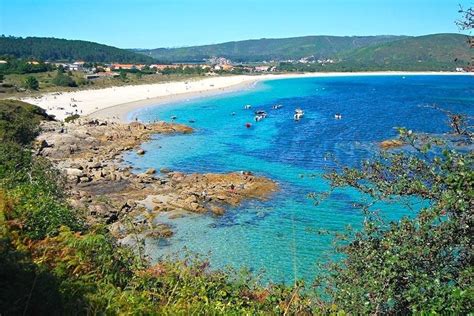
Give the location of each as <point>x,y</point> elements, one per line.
<point>88,154</point>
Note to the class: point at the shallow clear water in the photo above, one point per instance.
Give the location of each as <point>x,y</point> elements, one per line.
<point>279,235</point>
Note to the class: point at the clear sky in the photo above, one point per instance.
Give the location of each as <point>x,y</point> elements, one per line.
<point>171,23</point>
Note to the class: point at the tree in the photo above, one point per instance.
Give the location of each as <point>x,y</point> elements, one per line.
<point>31,83</point>
<point>467,23</point>
<point>123,75</point>
<point>64,80</point>
<point>467,18</point>
<point>421,263</point>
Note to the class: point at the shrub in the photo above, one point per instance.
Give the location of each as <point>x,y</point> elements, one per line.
<point>19,121</point>
<point>31,83</point>
<point>421,263</point>
<point>72,118</point>
<point>82,81</point>
<point>64,80</point>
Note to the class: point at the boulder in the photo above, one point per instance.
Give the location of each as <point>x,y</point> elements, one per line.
<point>117,230</point>
<point>98,174</point>
<point>43,144</point>
<point>165,170</point>
<point>150,171</point>
<point>217,210</point>
<point>74,172</point>
<point>95,165</point>
<point>391,143</point>
<point>84,179</point>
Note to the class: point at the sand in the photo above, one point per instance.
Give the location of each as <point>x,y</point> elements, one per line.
<point>116,103</point>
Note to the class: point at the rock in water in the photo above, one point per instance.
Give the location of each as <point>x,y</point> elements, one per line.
<point>150,171</point>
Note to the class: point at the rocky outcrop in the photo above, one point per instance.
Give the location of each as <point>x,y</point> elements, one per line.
<point>88,153</point>
<point>391,143</point>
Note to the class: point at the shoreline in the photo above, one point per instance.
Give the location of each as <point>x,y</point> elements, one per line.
<point>122,111</point>
<point>116,103</point>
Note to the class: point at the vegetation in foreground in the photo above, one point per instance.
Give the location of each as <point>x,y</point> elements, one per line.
<point>421,263</point>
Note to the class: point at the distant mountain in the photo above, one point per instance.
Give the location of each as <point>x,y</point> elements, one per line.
<point>269,49</point>
<point>54,49</point>
<point>429,52</point>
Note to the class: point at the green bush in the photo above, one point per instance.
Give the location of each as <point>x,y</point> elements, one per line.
<point>31,83</point>
<point>19,121</point>
<point>72,118</point>
<point>421,263</point>
<point>37,191</point>
<point>82,81</point>
<point>64,80</point>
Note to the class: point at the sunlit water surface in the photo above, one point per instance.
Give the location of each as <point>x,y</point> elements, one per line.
<point>280,235</point>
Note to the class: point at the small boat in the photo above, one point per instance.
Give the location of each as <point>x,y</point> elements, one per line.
<point>261,113</point>
<point>233,113</point>
<point>258,118</point>
<point>174,117</point>
<point>338,116</point>
<point>299,113</point>
<point>248,106</point>
<point>277,106</point>
<point>192,121</point>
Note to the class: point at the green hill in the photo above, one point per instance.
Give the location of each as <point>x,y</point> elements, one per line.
<point>269,49</point>
<point>429,52</point>
<point>54,49</point>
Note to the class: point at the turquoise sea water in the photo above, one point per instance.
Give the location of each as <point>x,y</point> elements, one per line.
<point>279,235</point>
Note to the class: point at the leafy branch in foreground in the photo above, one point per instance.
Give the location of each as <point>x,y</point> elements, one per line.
<point>466,22</point>
<point>422,262</point>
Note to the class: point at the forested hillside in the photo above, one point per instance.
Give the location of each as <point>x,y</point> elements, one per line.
<point>54,49</point>
<point>430,52</point>
<point>268,49</point>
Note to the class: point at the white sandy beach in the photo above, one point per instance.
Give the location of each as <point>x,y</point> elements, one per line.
<point>116,102</point>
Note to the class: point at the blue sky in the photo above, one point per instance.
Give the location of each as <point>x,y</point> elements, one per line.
<point>171,23</point>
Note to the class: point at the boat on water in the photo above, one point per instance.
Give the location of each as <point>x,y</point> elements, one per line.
<point>338,116</point>
<point>248,106</point>
<point>261,113</point>
<point>277,106</point>
<point>174,117</point>
<point>299,113</point>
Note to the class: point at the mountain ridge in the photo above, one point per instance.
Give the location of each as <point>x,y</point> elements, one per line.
<point>439,51</point>
<point>251,50</point>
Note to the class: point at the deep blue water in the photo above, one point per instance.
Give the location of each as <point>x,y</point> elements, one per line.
<point>279,235</point>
